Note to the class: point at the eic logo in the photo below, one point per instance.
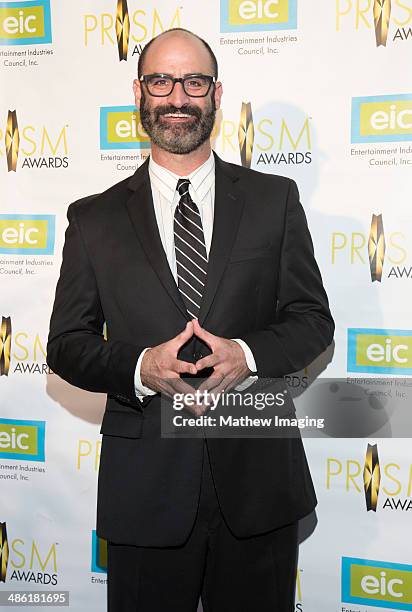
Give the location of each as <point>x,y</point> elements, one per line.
<point>385,351</point>
<point>27,234</point>
<point>382,118</point>
<point>120,128</point>
<point>22,439</point>
<point>99,554</point>
<point>254,15</point>
<point>377,583</point>
<point>25,23</point>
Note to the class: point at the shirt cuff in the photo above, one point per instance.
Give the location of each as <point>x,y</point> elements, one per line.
<point>251,364</point>
<point>250,360</point>
<point>139,388</point>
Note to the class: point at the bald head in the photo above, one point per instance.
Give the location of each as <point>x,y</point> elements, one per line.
<point>177,46</point>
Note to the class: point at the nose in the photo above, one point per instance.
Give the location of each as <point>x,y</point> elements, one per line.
<point>178,97</point>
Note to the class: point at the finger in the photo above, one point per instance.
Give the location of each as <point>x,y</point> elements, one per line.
<point>183,367</point>
<point>210,361</point>
<point>203,334</point>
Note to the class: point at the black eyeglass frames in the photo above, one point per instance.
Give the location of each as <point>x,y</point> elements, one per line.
<point>162,85</point>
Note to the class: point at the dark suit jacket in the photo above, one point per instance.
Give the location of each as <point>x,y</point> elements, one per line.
<point>263,286</point>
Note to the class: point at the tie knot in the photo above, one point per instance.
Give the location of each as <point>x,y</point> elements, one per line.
<point>183,186</point>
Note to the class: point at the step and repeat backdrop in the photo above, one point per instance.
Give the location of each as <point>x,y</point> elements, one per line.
<point>317,91</point>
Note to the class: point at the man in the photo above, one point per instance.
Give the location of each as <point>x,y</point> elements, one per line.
<point>198,267</point>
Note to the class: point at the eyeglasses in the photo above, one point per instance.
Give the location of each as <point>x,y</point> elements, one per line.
<point>162,85</point>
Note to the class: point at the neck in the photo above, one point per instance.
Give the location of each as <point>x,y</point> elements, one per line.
<point>182,165</point>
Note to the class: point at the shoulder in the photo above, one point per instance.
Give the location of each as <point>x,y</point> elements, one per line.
<point>258,182</point>
<point>99,203</point>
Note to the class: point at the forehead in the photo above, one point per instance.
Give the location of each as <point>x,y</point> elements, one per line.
<point>177,54</point>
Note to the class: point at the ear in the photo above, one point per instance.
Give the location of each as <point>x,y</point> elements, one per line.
<point>137,90</point>
<point>218,94</point>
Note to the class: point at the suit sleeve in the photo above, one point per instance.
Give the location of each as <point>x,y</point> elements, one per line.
<point>76,349</point>
<point>302,325</point>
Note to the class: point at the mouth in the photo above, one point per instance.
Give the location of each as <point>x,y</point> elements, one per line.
<point>177,116</point>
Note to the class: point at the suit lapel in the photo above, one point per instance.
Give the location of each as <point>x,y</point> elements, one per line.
<point>228,209</point>
<point>141,212</point>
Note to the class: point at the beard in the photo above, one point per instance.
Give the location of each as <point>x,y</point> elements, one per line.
<point>180,138</point>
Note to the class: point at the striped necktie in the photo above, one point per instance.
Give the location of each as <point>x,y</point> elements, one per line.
<point>190,250</point>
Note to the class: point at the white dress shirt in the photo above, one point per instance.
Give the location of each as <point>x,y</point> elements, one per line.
<point>165,199</point>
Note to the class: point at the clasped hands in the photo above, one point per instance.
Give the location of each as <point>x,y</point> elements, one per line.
<point>161,369</point>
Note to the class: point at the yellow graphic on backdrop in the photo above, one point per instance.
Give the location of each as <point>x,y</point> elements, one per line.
<point>371,477</point>
<point>376,248</point>
<point>21,21</point>
<point>386,117</point>
<point>246,12</point>
<point>246,134</point>
<point>5,345</point>
<point>12,141</point>
<point>4,552</point>
<point>129,28</point>
<point>24,233</point>
<point>122,29</point>
<point>381,17</point>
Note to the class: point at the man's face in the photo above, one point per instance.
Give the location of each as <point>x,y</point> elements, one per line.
<point>177,129</point>
<point>177,123</point>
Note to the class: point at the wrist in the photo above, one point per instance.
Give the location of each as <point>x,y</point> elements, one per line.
<point>143,367</point>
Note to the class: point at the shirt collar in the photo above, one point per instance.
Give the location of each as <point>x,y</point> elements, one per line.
<point>201,179</point>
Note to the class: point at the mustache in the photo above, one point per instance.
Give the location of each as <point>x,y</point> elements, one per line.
<point>169,108</point>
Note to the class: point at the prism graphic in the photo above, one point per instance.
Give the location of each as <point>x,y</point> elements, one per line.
<point>376,248</point>
<point>246,134</point>
<point>122,29</point>
<point>4,552</point>
<point>12,140</point>
<point>371,477</point>
<point>5,345</point>
<point>381,17</point>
